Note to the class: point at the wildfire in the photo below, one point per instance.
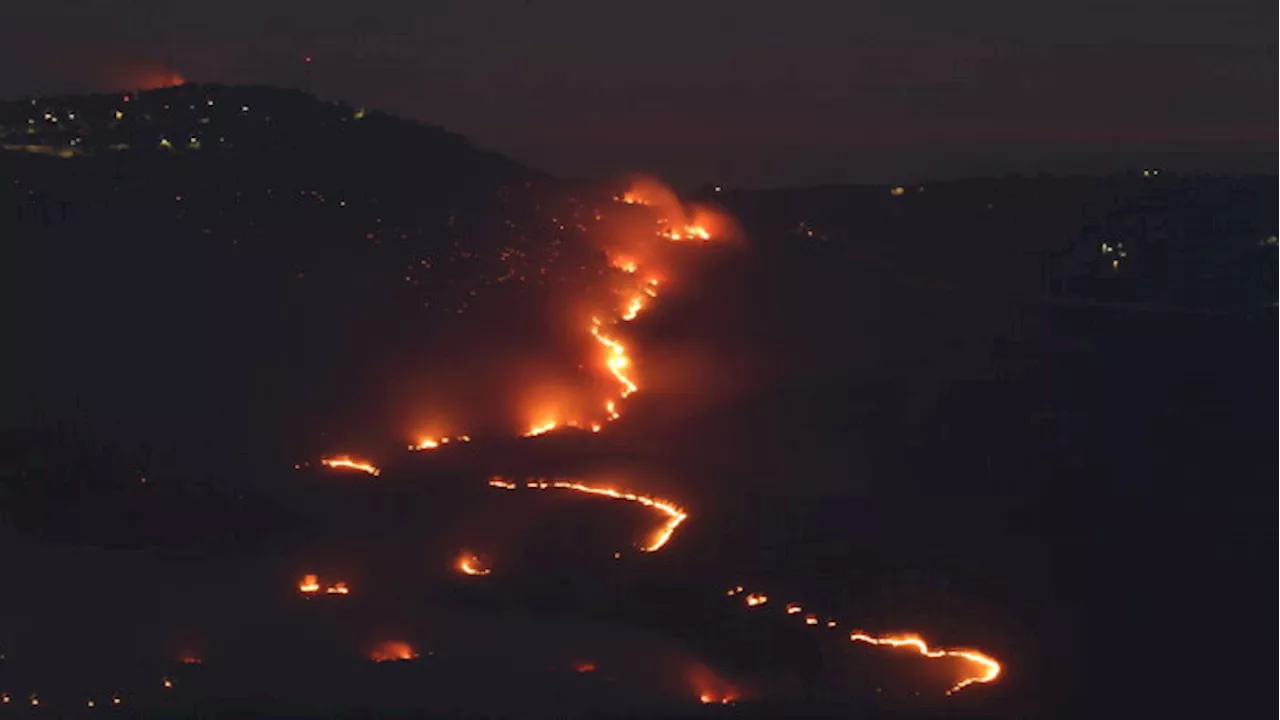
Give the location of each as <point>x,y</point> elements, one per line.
<point>687,232</point>
<point>391,651</point>
<point>636,288</point>
<point>542,428</point>
<point>989,668</point>
<point>347,462</point>
<point>637,296</point>
<point>469,564</point>
<point>432,443</point>
<point>657,539</point>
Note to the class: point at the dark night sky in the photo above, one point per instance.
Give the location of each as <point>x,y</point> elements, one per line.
<point>751,92</point>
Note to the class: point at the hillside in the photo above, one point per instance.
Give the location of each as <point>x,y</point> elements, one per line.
<point>284,245</point>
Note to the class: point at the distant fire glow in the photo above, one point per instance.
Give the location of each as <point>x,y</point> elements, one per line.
<point>469,564</point>
<point>392,651</point>
<point>656,540</point>
<point>310,585</point>
<point>434,443</point>
<point>346,462</point>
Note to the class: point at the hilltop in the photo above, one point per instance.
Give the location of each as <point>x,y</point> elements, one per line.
<point>270,122</point>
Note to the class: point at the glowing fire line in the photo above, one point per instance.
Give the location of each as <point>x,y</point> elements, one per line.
<point>659,538</point>
<point>617,360</point>
<point>990,668</point>
<point>987,666</point>
<point>347,462</point>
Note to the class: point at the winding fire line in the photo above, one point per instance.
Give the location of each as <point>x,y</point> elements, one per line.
<point>990,668</point>
<point>987,668</point>
<point>657,539</point>
<point>346,462</point>
<point>617,358</point>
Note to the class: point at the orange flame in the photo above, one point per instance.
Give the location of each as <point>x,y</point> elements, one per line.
<point>757,599</point>
<point>338,588</point>
<point>310,584</point>
<point>347,462</point>
<point>468,564</point>
<point>659,537</point>
<point>432,443</point>
<point>391,651</point>
<point>636,298</point>
<point>989,668</point>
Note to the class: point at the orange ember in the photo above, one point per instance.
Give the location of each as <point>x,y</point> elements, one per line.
<point>338,588</point>
<point>191,660</point>
<point>392,651</point>
<point>675,516</point>
<point>346,462</point>
<point>988,669</point>
<point>469,564</point>
<point>310,584</point>
<point>756,599</point>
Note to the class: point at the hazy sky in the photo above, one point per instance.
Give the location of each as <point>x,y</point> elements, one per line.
<point>748,91</point>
